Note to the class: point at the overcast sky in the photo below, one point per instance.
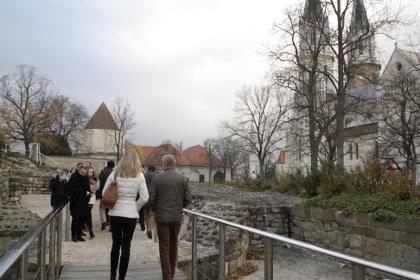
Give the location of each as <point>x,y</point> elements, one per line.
<point>179,62</point>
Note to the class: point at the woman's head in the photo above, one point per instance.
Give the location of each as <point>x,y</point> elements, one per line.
<point>129,165</point>
<point>72,170</point>
<point>91,172</point>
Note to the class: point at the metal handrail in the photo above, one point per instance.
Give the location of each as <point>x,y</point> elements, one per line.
<point>18,254</point>
<point>358,265</point>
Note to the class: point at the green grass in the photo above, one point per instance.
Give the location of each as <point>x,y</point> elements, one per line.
<point>383,206</point>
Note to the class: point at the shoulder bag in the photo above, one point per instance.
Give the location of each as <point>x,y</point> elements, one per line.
<point>109,198</point>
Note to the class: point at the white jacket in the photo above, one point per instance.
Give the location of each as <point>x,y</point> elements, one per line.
<point>128,188</point>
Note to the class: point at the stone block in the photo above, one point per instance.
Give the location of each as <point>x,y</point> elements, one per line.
<point>366,231</point>
<point>413,226</point>
<point>386,234</point>
<point>362,219</point>
<point>404,238</point>
<point>415,240</point>
<point>317,214</point>
<point>329,216</point>
<point>394,251</point>
<point>398,224</point>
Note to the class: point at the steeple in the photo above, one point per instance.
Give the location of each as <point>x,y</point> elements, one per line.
<point>359,21</point>
<point>313,10</point>
<point>362,59</point>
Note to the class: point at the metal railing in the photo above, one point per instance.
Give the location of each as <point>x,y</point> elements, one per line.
<point>357,265</point>
<point>48,253</point>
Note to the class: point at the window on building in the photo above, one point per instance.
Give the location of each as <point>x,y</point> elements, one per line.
<point>351,152</point>
<point>357,150</point>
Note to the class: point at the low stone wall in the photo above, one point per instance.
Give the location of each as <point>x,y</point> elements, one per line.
<point>392,243</point>
<point>245,208</point>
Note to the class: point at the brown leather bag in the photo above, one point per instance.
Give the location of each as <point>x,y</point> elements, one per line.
<point>109,198</point>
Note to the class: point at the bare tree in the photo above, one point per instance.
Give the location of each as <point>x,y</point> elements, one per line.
<point>25,104</point>
<point>67,119</point>
<point>399,108</point>
<point>261,113</point>
<point>231,152</point>
<point>124,117</point>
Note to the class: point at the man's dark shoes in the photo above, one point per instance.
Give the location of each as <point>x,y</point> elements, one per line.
<point>113,277</point>
<point>103,226</point>
<point>79,238</point>
<point>74,238</point>
<point>83,234</point>
<point>149,234</point>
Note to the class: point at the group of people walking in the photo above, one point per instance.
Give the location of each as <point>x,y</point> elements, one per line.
<point>161,196</point>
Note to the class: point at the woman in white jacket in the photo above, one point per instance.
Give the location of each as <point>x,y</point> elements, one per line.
<point>124,214</point>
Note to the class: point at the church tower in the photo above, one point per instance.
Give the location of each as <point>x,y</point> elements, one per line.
<point>362,59</point>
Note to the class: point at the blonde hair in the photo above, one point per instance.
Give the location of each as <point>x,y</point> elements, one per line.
<point>129,165</point>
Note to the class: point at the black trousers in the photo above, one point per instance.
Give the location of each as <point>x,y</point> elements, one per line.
<point>122,234</point>
<point>77,225</point>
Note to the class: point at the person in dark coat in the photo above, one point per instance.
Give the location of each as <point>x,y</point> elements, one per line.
<point>79,191</point>
<point>150,215</point>
<point>103,176</point>
<point>58,186</point>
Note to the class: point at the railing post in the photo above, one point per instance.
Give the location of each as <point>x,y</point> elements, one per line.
<point>22,266</point>
<point>51,263</point>
<point>68,222</point>
<point>268,258</point>
<point>42,241</point>
<point>194,248</point>
<point>357,272</point>
<point>222,251</point>
<point>59,244</point>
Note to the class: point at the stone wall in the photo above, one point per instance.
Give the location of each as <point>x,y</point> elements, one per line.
<point>19,176</point>
<point>266,211</point>
<point>392,243</point>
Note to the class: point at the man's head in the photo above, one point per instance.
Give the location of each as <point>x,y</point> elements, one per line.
<point>79,164</point>
<point>88,163</point>
<point>83,170</point>
<point>151,168</point>
<point>110,163</point>
<point>59,172</point>
<point>168,161</point>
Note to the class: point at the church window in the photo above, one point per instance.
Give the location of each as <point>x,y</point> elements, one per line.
<point>351,152</point>
<point>357,150</point>
<point>399,66</point>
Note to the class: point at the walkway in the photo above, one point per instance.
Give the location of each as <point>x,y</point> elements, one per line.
<point>89,259</point>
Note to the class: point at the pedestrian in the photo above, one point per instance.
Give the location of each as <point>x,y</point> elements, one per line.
<point>123,216</point>
<point>93,186</point>
<point>148,212</point>
<point>79,191</point>
<point>72,170</point>
<point>103,176</point>
<point>169,194</point>
<point>58,186</point>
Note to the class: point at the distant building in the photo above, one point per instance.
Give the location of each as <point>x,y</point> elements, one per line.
<point>194,162</point>
<point>98,138</point>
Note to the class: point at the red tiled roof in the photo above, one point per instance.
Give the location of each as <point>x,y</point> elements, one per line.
<point>153,155</point>
<point>193,156</point>
<point>198,156</point>
<point>102,119</point>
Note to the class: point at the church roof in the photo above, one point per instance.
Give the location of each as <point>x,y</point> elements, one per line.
<point>359,19</point>
<point>102,119</point>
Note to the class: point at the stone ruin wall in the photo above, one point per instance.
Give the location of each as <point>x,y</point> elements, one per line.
<point>265,211</point>
<point>19,176</point>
